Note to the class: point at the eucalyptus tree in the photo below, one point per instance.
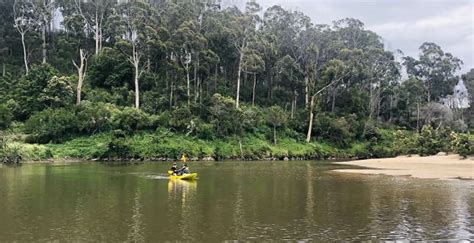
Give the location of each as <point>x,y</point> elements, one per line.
<point>242,27</point>
<point>190,43</point>
<point>81,73</point>
<point>334,72</point>
<point>436,69</point>
<point>288,77</point>
<point>45,11</point>
<point>25,14</point>
<point>253,64</point>
<point>381,70</point>
<point>468,79</point>
<point>138,24</point>
<point>94,13</point>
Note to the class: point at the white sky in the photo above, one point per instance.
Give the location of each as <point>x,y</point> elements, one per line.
<point>403,24</point>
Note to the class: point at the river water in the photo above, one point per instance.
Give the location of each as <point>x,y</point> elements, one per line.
<point>230,201</point>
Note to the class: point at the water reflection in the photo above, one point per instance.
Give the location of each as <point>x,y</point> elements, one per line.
<point>253,201</point>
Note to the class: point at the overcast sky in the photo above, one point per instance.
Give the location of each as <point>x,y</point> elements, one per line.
<point>403,24</point>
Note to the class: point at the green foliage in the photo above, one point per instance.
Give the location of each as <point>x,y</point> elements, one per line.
<point>406,143</point>
<point>110,69</point>
<point>31,89</point>
<point>6,116</point>
<point>334,129</point>
<point>131,120</point>
<point>57,93</point>
<point>225,117</point>
<point>95,117</point>
<point>461,144</point>
<point>51,125</point>
<point>430,141</point>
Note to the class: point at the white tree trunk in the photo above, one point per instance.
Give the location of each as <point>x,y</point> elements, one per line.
<point>188,84</point>
<point>137,91</point>
<point>254,88</point>
<point>237,98</point>
<point>97,34</point>
<point>43,36</point>
<point>311,117</point>
<point>25,55</point>
<point>81,73</point>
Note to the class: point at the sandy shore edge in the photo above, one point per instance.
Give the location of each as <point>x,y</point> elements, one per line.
<point>442,167</point>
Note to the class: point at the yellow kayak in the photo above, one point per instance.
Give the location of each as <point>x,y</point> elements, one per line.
<point>188,177</point>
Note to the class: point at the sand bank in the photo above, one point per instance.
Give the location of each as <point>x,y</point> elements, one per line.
<point>436,167</point>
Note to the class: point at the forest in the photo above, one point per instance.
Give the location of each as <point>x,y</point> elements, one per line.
<point>102,79</point>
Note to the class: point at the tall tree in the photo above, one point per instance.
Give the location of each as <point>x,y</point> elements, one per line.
<point>94,13</point>
<point>436,69</point>
<point>243,26</point>
<point>81,73</point>
<point>138,22</point>
<point>26,20</point>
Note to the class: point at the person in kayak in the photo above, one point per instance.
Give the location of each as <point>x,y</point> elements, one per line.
<point>183,170</point>
<point>174,168</point>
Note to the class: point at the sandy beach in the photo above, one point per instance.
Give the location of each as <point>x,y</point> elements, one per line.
<point>434,167</point>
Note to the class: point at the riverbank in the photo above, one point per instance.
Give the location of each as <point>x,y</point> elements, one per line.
<point>432,167</point>
<point>146,146</point>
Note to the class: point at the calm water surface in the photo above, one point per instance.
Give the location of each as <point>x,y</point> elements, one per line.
<point>230,201</point>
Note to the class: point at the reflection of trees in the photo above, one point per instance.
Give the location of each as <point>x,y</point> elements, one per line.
<point>137,226</point>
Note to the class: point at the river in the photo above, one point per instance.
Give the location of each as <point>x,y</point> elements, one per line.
<point>229,201</point>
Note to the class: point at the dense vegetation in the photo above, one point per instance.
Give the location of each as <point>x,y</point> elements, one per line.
<point>140,80</point>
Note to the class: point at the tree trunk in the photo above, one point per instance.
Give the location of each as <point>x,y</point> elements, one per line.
<point>4,69</point>
<point>136,64</point>
<point>97,34</point>
<point>171,93</point>
<point>25,55</point>
<point>254,88</point>
<point>418,117</point>
<point>81,73</point>
<point>43,36</point>
<point>274,135</point>
<point>137,91</point>
<point>306,91</point>
<point>333,102</point>
<point>237,98</point>
<point>293,104</point>
<point>311,117</point>
<point>188,84</point>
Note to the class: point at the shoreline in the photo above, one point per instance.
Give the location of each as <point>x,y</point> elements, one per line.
<point>442,167</point>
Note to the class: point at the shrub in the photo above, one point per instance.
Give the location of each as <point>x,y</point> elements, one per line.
<point>95,117</point>
<point>430,141</point>
<point>6,116</point>
<point>31,87</point>
<point>131,119</point>
<point>336,130</point>
<point>405,143</point>
<point>51,125</point>
<point>118,147</point>
<point>461,144</point>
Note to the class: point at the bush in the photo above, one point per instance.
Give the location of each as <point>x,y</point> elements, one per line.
<point>461,144</point>
<point>405,143</point>
<point>118,147</point>
<point>131,119</point>
<point>336,130</point>
<point>31,87</point>
<point>6,117</point>
<point>51,125</point>
<point>95,117</point>
<point>430,141</point>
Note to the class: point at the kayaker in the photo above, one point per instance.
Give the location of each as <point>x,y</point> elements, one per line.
<point>183,158</point>
<point>183,170</point>
<point>174,168</point>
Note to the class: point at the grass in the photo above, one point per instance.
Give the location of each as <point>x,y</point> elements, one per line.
<point>151,145</point>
